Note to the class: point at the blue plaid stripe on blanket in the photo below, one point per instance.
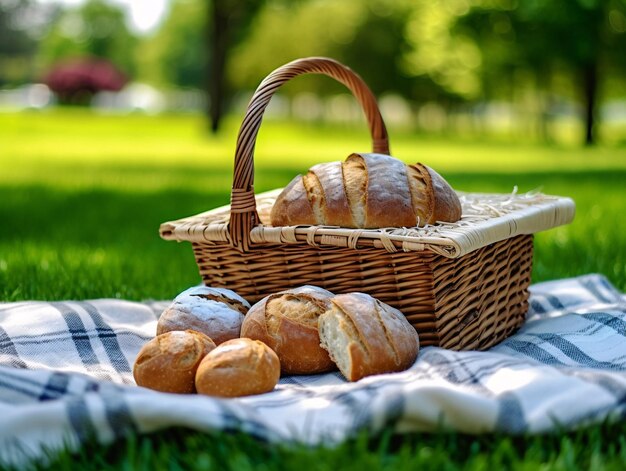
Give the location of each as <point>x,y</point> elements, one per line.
<point>66,377</point>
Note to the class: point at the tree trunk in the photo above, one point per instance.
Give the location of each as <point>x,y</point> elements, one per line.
<point>590,94</point>
<point>219,47</point>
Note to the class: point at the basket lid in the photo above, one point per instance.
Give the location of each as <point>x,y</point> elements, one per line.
<point>486,218</point>
<point>245,223</point>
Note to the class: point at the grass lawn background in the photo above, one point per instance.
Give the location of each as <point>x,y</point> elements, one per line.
<point>82,197</point>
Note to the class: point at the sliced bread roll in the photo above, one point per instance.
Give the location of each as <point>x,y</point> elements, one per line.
<point>287,323</point>
<point>367,191</point>
<point>366,337</point>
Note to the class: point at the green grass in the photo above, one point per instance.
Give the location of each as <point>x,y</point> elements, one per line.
<point>82,197</point>
<point>599,448</point>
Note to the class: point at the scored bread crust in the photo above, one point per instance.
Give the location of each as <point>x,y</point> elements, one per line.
<point>378,337</point>
<point>216,312</point>
<point>292,207</point>
<point>422,197</point>
<point>447,206</point>
<point>336,211</point>
<point>295,339</point>
<point>367,191</point>
<point>388,198</point>
<point>238,367</point>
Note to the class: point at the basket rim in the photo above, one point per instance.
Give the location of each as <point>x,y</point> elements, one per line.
<point>487,218</point>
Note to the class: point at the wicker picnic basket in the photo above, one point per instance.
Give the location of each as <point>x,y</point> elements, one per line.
<point>461,285</point>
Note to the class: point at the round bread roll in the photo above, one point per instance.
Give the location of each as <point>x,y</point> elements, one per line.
<point>367,191</point>
<point>239,367</point>
<point>216,312</point>
<point>366,337</point>
<point>287,323</point>
<point>168,362</point>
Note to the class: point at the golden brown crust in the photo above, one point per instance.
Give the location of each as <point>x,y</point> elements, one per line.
<point>447,206</point>
<point>287,323</point>
<point>380,339</point>
<point>168,363</point>
<point>354,180</point>
<point>336,211</point>
<point>359,364</point>
<point>367,191</point>
<point>255,327</point>
<point>292,207</point>
<point>315,195</point>
<point>422,197</point>
<point>401,335</point>
<point>239,367</point>
<point>361,309</point>
<point>388,201</point>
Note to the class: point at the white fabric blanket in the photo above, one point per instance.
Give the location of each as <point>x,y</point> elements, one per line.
<point>66,376</point>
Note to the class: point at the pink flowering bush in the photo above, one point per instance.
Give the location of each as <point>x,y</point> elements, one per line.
<point>75,81</point>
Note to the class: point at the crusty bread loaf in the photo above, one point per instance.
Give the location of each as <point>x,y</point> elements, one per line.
<point>216,312</point>
<point>367,191</point>
<point>238,367</point>
<point>365,336</point>
<point>168,362</point>
<point>287,323</point>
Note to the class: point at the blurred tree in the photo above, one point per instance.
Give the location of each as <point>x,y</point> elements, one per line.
<point>585,37</point>
<point>13,39</point>
<point>378,44</point>
<point>284,31</point>
<point>177,54</point>
<point>192,47</point>
<point>228,23</point>
<point>96,28</point>
<point>436,55</point>
<point>369,36</point>
<point>17,45</point>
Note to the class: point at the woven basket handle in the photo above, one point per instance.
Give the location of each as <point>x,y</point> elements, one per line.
<point>243,215</point>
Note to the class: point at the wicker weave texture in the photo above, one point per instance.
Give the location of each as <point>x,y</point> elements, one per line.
<point>462,285</point>
<point>243,213</point>
<point>467,303</point>
<point>487,218</point>
<point>482,298</point>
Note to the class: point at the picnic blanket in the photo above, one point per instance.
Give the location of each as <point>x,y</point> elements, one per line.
<point>66,377</point>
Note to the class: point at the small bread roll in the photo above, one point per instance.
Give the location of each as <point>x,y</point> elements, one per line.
<point>366,337</point>
<point>239,367</point>
<point>168,362</point>
<point>287,323</point>
<point>367,191</point>
<point>216,312</point>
